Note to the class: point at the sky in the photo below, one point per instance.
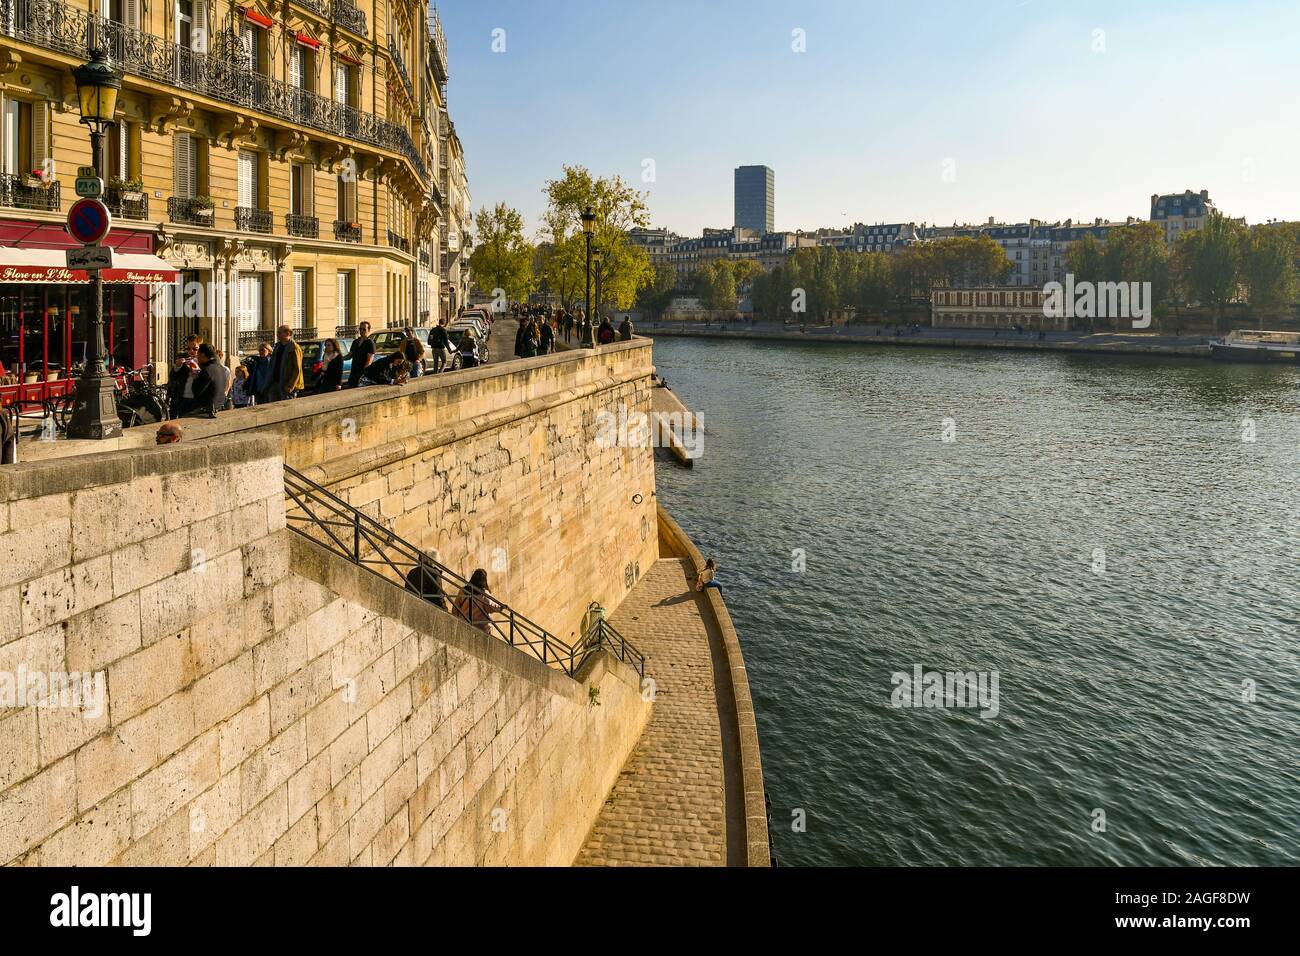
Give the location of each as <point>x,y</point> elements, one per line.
<point>922,111</point>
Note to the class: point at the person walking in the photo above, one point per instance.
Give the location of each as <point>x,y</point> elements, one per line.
<point>286,366</point>
<point>439,344</point>
<point>625,329</point>
<point>568,326</point>
<point>180,382</point>
<point>209,385</point>
<point>475,603</point>
<point>362,354</point>
<point>545,337</point>
<point>530,342</point>
<point>521,333</point>
<point>241,393</point>
<point>605,334</point>
<point>259,373</point>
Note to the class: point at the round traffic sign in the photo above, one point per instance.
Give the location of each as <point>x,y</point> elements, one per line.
<point>89,221</point>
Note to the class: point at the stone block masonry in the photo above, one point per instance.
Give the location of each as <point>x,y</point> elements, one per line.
<point>265,701</point>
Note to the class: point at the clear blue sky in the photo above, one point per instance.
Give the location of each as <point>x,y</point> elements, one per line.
<point>1187,94</point>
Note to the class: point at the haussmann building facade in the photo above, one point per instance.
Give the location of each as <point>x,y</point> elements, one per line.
<point>272,163</point>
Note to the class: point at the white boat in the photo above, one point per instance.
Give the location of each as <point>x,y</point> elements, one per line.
<point>1251,345</point>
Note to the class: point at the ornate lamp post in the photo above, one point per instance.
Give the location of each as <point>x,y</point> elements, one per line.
<point>588,227</point>
<point>94,412</point>
<point>599,259</point>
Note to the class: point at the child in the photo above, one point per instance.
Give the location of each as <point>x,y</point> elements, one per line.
<point>241,392</point>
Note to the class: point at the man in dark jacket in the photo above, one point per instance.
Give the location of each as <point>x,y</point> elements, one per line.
<point>545,338</point>
<point>439,343</point>
<point>209,385</point>
<point>625,329</point>
<point>363,351</point>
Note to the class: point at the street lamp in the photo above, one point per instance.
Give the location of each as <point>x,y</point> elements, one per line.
<point>599,258</point>
<point>94,410</point>
<point>588,227</point>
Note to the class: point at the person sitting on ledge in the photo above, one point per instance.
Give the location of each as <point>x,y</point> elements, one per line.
<point>389,370</point>
<point>168,434</point>
<point>705,578</point>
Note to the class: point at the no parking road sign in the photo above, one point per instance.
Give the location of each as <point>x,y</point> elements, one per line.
<point>89,221</point>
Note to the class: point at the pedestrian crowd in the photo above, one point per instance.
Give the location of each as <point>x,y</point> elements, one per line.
<point>540,329</point>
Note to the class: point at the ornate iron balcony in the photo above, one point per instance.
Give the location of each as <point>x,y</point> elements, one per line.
<point>193,212</point>
<point>249,219</point>
<point>251,341</point>
<point>346,15</point>
<point>305,227</point>
<point>347,231</point>
<point>400,63</point>
<point>137,207</point>
<point>223,72</point>
<point>398,242</point>
<point>17,192</point>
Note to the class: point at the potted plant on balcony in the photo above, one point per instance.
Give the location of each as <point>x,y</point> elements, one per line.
<point>204,209</point>
<point>130,190</point>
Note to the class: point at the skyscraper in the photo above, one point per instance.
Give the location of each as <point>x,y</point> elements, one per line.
<point>756,198</point>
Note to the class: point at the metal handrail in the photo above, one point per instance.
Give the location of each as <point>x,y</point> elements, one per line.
<point>323,517</point>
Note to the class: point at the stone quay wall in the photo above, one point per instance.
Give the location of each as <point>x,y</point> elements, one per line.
<point>265,701</point>
<point>502,467</point>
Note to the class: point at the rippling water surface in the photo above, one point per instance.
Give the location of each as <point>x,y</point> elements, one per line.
<point>1098,533</point>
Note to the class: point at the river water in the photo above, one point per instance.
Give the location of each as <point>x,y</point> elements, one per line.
<point>1100,534</point>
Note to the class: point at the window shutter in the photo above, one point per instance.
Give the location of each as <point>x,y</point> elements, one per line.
<point>247,170</point>
<point>299,298</point>
<point>307,184</point>
<point>199,32</point>
<point>340,84</point>
<point>184,179</point>
<point>123,138</point>
<point>131,13</point>
<point>40,135</point>
<point>341,316</point>
<point>295,66</point>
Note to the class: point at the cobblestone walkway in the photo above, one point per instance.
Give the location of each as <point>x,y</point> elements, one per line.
<point>669,806</point>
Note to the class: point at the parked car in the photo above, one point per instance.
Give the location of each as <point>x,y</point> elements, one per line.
<point>477,347</point>
<point>390,340</point>
<point>474,322</point>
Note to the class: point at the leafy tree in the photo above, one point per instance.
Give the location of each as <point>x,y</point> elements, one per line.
<point>502,257</point>
<point>1084,258</point>
<point>623,267</point>
<point>1208,263</point>
<point>719,292</point>
<point>1138,253</point>
<point>873,290</point>
<point>771,293</point>
<point>1268,270</point>
<point>656,295</point>
<point>563,269</point>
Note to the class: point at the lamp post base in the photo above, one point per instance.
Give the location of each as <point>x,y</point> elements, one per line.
<point>94,412</point>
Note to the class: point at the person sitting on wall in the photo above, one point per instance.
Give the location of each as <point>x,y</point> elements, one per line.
<point>705,578</point>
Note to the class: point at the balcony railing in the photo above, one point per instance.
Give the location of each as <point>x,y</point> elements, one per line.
<point>322,7</point>
<point>17,193</point>
<point>249,219</point>
<point>189,211</point>
<point>251,341</point>
<point>305,227</point>
<point>136,207</point>
<point>400,63</point>
<point>347,231</point>
<point>398,242</point>
<point>224,73</point>
<point>346,15</point>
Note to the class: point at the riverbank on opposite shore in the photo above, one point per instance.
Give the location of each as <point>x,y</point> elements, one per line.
<point>1102,343</point>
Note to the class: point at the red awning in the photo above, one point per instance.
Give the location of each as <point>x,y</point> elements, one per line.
<point>262,21</point>
<point>347,59</point>
<point>305,40</point>
<point>48,266</point>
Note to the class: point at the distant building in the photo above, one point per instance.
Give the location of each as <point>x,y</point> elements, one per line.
<point>657,243</point>
<point>992,307</point>
<point>1180,213</point>
<point>756,198</point>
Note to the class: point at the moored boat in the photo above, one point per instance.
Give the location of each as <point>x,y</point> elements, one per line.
<point>1252,345</point>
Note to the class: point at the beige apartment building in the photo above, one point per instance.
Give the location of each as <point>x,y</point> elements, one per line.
<point>281,160</point>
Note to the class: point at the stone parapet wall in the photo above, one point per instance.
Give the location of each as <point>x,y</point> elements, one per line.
<point>264,701</point>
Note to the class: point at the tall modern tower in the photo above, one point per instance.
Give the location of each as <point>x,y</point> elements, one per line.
<point>756,198</point>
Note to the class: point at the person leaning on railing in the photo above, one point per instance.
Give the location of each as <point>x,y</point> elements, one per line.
<point>475,603</point>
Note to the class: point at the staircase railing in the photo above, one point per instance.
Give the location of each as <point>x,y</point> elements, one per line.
<point>323,517</point>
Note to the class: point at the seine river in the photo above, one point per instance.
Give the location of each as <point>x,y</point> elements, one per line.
<point>1098,533</point>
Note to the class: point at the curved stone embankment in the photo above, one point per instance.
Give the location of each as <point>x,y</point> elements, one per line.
<point>692,792</point>
<point>942,342</point>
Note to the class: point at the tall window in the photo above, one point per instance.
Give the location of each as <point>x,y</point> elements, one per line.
<point>9,145</point>
<point>346,200</point>
<point>185,166</point>
<point>342,84</point>
<point>25,146</point>
<point>300,189</point>
<point>302,70</point>
<point>247,179</point>
<point>301,294</point>
<point>250,37</point>
<point>249,307</point>
<point>117,151</point>
<point>343,306</point>
<point>192,25</point>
